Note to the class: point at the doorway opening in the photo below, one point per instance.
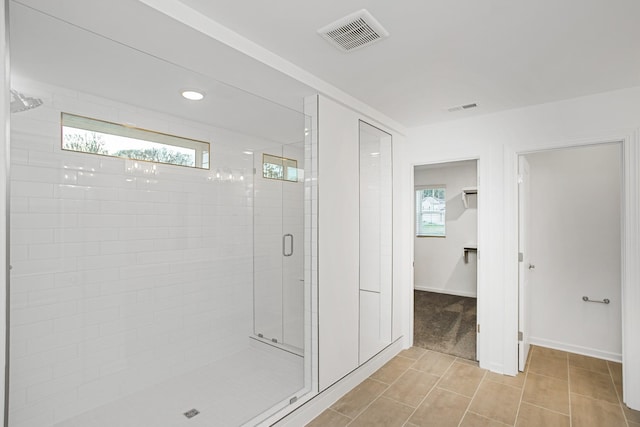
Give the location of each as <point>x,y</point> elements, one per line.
<point>570,261</point>
<point>445,257</point>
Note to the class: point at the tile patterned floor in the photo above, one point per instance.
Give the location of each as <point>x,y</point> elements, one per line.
<point>227,393</point>
<point>424,388</point>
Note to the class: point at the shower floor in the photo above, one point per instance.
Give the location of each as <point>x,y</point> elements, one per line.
<point>227,393</point>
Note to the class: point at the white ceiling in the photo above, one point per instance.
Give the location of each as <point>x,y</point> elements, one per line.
<point>501,54</point>
<point>114,61</point>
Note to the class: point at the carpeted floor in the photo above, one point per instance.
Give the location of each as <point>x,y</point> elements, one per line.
<point>445,323</point>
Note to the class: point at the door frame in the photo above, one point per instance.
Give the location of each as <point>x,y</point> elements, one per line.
<point>630,250</point>
<point>480,223</point>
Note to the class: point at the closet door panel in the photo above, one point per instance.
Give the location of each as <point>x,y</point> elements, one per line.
<point>338,289</point>
<point>376,233</point>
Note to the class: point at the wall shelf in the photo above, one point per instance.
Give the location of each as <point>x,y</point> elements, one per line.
<point>468,248</point>
<point>465,192</point>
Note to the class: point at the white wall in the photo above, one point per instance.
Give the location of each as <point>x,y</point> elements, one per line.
<point>495,139</point>
<point>122,276</point>
<point>439,262</point>
<point>575,247</point>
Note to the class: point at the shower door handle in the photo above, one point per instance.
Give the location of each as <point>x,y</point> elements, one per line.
<point>284,245</point>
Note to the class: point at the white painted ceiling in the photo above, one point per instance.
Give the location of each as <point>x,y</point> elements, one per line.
<point>501,54</point>
<point>110,49</point>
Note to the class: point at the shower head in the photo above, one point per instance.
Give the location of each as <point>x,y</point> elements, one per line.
<point>21,102</point>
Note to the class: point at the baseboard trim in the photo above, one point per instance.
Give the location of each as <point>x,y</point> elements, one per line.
<point>445,291</point>
<point>314,407</point>
<point>585,351</point>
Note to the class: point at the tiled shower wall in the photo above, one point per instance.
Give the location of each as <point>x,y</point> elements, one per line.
<point>124,273</point>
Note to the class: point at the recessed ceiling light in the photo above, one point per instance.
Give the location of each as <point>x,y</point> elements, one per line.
<point>192,95</point>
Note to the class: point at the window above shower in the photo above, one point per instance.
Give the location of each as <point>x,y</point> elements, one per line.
<point>276,167</point>
<point>94,136</point>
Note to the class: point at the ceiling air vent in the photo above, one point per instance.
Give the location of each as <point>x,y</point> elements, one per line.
<point>462,107</point>
<point>354,31</point>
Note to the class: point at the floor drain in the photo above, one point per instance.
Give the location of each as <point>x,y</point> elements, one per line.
<point>192,413</point>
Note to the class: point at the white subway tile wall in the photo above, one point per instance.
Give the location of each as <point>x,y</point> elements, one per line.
<point>124,273</point>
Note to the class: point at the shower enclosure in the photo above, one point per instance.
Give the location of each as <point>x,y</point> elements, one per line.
<point>278,248</point>
<point>149,287</point>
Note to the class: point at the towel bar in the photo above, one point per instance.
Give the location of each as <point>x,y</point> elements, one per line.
<point>604,301</point>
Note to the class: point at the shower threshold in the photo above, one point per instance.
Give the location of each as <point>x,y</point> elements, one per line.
<point>254,339</point>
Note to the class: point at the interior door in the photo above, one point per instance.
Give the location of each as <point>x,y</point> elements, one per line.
<point>524,264</point>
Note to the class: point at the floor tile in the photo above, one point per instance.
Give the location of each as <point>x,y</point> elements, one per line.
<point>383,412</point>
<point>411,387</point>
<point>330,418</point>
<point>548,352</point>
<point>474,420</point>
<point>264,378</point>
<point>550,366</point>
<point>632,416</point>
<point>586,412</point>
<point>549,393</point>
<point>413,353</point>
<point>592,384</point>
<point>616,373</point>
<point>434,363</point>
<point>441,408</point>
<point>392,370</point>
<point>534,416</point>
<point>354,402</point>
<point>458,393</point>
<point>496,401</point>
<point>589,363</point>
<point>517,381</point>
<point>467,361</point>
<point>462,379</point>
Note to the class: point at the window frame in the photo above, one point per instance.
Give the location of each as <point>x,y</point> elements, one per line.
<point>418,211</point>
<point>104,127</point>
<point>293,163</point>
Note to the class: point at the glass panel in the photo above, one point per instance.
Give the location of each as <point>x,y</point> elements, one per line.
<point>431,211</point>
<point>282,168</point>
<point>132,288</point>
<point>94,136</point>
<point>294,248</point>
<point>279,250</point>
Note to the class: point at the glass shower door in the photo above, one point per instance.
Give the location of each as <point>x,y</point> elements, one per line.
<point>278,246</point>
<point>293,250</point>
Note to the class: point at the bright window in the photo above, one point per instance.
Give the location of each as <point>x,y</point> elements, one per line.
<point>275,167</point>
<point>430,211</point>
<point>111,139</point>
